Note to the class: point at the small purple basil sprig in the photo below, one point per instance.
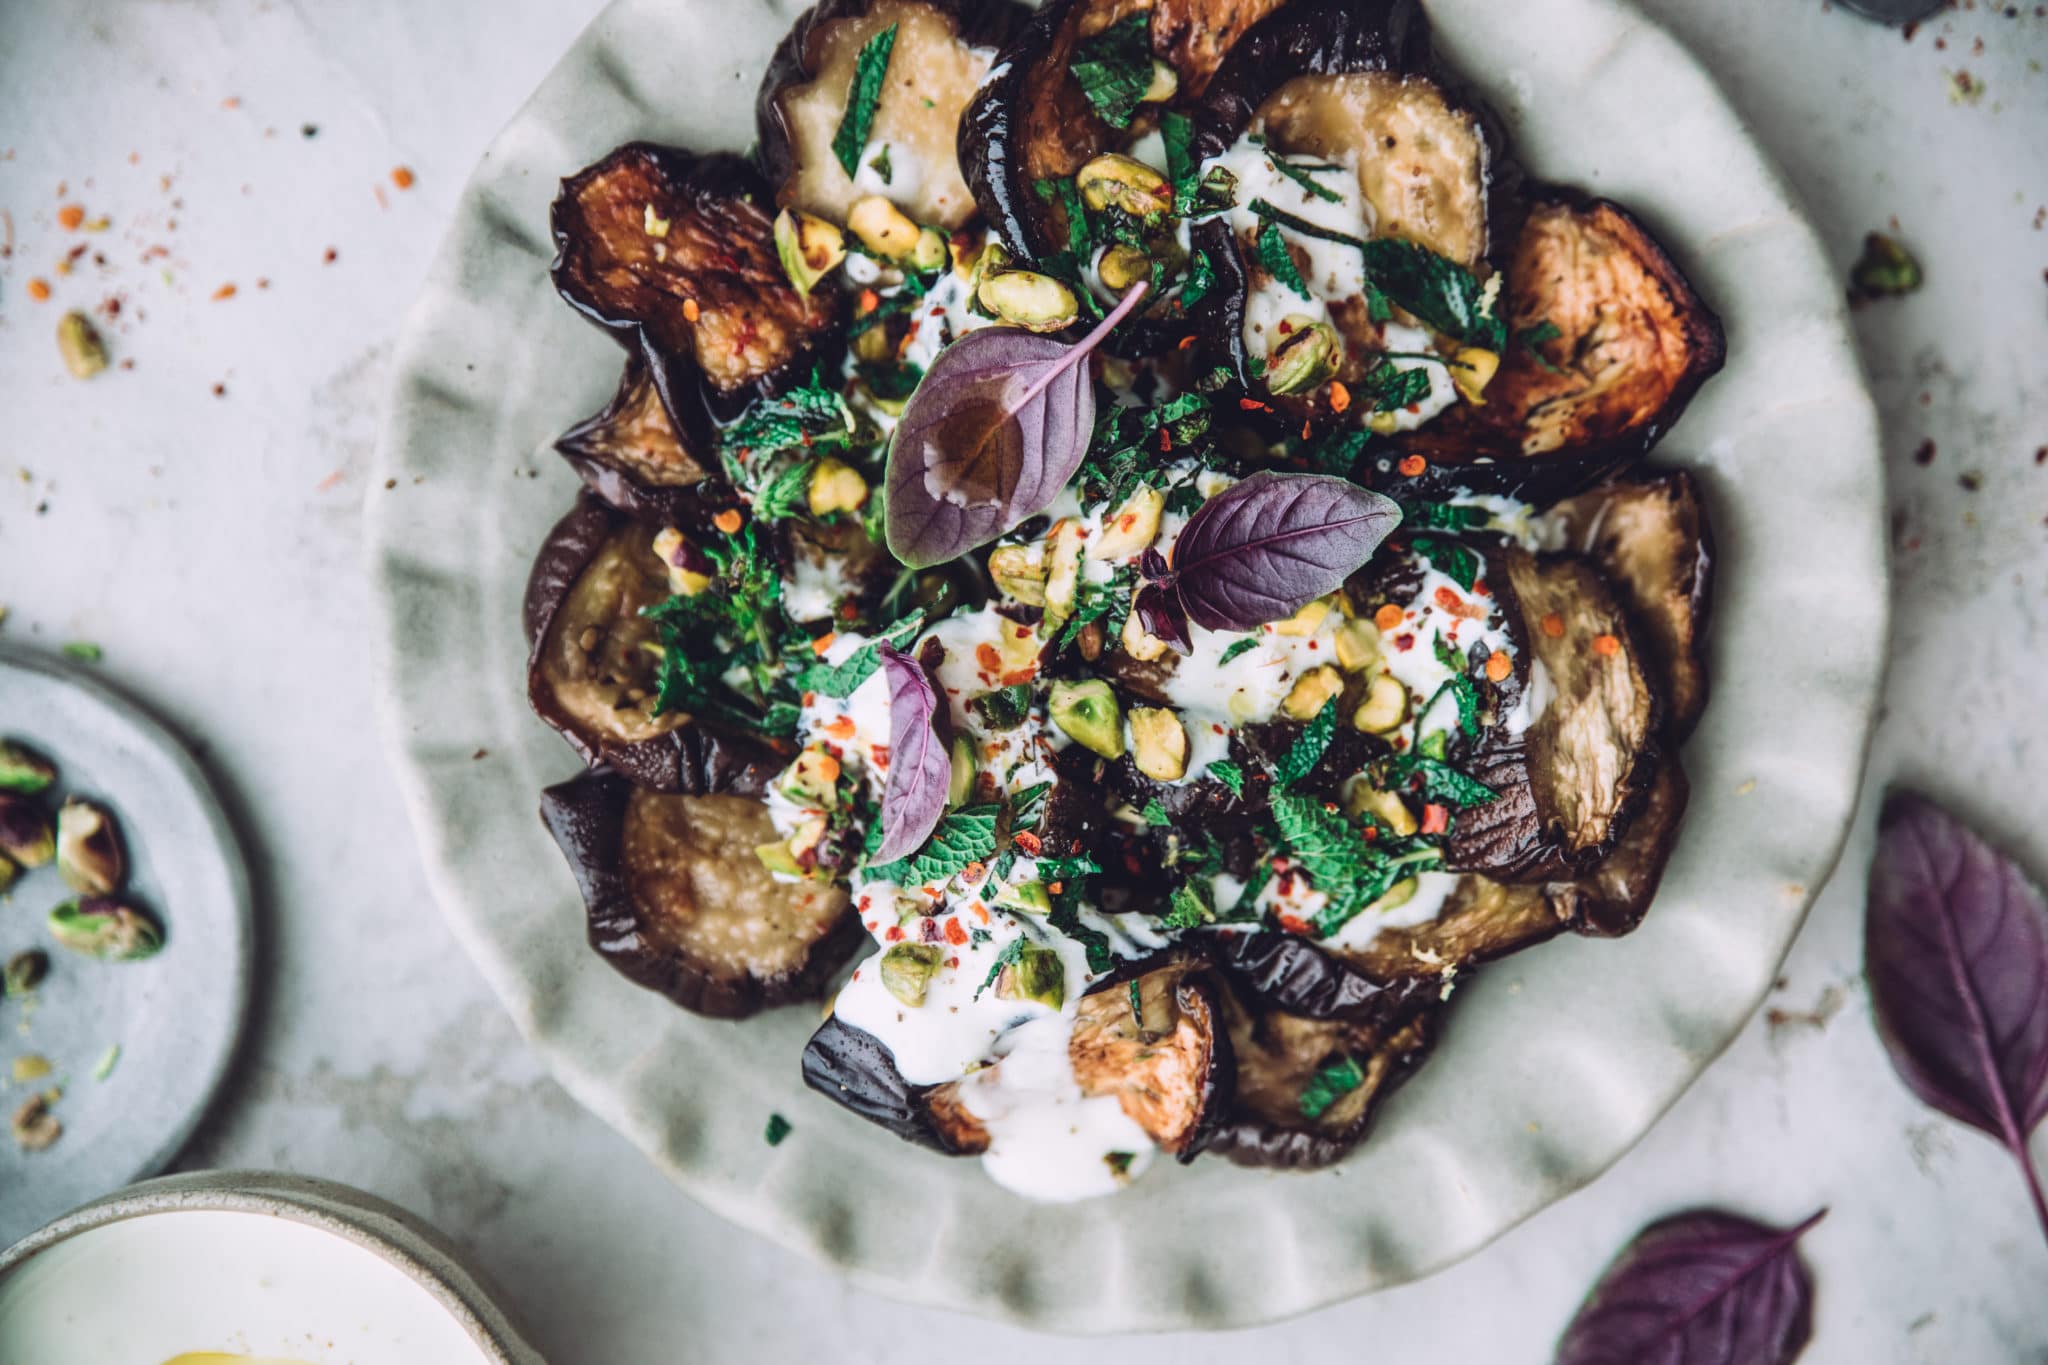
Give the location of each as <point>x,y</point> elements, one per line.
<point>1955,946</point>
<point>1261,550</point>
<point>1698,1288</point>
<point>997,426</point>
<point>920,767</point>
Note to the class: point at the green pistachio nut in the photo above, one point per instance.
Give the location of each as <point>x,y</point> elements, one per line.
<point>1088,713</point>
<point>26,834</point>
<point>1123,182</point>
<point>1037,975</point>
<point>930,253</point>
<point>809,247</point>
<point>960,787</point>
<point>89,853</point>
<point>908,969</point>
<point>23,770</point>
<point>1307,356</point>
<point>1027,299</point>
<point>1123,266</point>
<point>101,927</point>
<point>1030,898</point>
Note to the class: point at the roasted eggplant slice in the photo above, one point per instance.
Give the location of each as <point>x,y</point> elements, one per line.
<point>1608,345</point>
<point>589,673</point>
<point>1033,121</point>
<point>678,903</point>
<point>853,1068</point>
<point>1613,898</point>
<point>1568,784</point>
<point>674,255</point>
<point>1287,972</point>
<point>1648,531</point>
<point>1307,1088</point>
<point>630,455</point>
<point>1171,1071</point>
<point>940,52</point>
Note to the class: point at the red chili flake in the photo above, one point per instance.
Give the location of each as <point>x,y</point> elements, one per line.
<point>1165,439</point>
<point>974,870</point>
<point>1553,625</point>
<point>1479,588</point>
<point>895,934</point>
<point>1404,642</point>
<point>1606,645</point>
<point>956,933</point>
<point>1186,342</point>
<point>1295,924</point>
<point>1056,887</point>
<point>1411,465</point>
<point>1924,455</point>
<point>70,216</point>
<point>402,177</point>
<point>1253,405</point>
<point>1029,842</point>
<point>953,962</point>
<point>990,659</point>
<point>1435,819</point>
<point>1458,606</point>
<point>226,291</point>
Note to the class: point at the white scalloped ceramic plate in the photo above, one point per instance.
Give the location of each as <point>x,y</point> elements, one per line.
<point>1535,1090</point>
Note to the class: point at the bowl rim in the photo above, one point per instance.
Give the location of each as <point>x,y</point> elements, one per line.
<point>418,1251</point>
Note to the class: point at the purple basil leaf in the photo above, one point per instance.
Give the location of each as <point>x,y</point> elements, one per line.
<point>1261,549</point>
<point>920,768</point>
<point>1700,1288</point>
<point>999,423</point>
<point>1160,614</point>
<point>1956,950</point>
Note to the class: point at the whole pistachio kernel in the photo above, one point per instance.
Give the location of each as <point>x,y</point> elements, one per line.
<point>907,971</point>
<point>26,835</point>
<point>35,1127</point>
<point>1116,181</point>
<point>1307,355</point>
<point>1027,299</point>
<point>85,355</point>
<point>23,770</point>
<point>106,929</point>
<point>89,853</point>
<point>25,971</point>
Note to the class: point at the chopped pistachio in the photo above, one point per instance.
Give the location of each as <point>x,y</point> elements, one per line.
<point>1031,898</point>
<point>85,355</point>
<point>1384,708</point>
<point>30,1066</point>
<point>1306,621</point>
<point>1037,975</point>
<point>26,834</point>
<point>35,1127</point>
<point>1133,526</point>
<point>1027,299</point>
<point>1087,712</point>
<point>1019,571</point>
<point>883,228</point>
<point>109,1059</point>
<point>1308,354</point>
<point>835,486</point>
<point>1472,369</point>
<point>1116,181</point>
<point>1312,691</point>
<point>907,971</point>
<point>1159,743</point>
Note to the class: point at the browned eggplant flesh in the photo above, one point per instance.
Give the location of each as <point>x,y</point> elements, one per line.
<point>1307,1089</point>
<point>675,254</point>
<point>678,903</point>
<point>630,454</point>
<point>937,53</point>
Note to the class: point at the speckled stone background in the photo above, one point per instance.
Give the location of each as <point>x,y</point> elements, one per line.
<point>196,511</point>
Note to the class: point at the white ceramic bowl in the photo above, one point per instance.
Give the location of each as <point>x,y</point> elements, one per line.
<point>335,1265</point>
<point>1554,1062</point>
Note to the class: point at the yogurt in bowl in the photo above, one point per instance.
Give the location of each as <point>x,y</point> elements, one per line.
<point>245,1270</point>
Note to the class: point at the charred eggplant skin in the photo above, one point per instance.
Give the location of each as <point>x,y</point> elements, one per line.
<point>725,198</point>
<point>589,449</point>
<point>1310,38</point>
<point>978,23</point>
<point>587,816</point>
<point>1287,972</point>
<point>1499,448</point>
<point>691,759</point>
<point>855,1070</point>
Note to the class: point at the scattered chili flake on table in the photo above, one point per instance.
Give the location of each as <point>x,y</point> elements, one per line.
<point>39,289</point>
<point>70,216</point>
<point>402,177</point>
<point>330,257</point>
<point>1924,455</point>
<point>226,291</point>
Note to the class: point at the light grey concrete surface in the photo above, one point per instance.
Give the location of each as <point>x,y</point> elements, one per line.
<point>198,516</point>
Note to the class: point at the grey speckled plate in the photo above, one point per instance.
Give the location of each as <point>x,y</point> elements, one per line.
<point>175,1016</point>
<point>1552,1066</point>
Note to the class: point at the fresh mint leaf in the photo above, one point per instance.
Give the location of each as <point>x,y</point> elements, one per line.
<point>880,165</point>
<point>1307,750</point>
<point>1305,176</point>
<point>1201,278</point>
<point>1391,388</point>
<point>1439,291</point>
<point>1027,807</point>
<point>1189,908</point>
<point>1443,516</point>
<point>1329,1085</point>
<point>1013,951</point>
<point>1237,647</point>
<point>1006,707</point>
<point>1229,774</point>
<point>841,679</point>
<point>964,836</point>
<point>1114,69</point>
<point>1458,562</point>
<point>1183,171</point>
<point>1278,261</point>
<point>870,70</point>
<point>1272,213</point>
<point>1155,814</point>
<point>1531,339</point>
<point>1439,780</point>
<point>1066,917</point>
